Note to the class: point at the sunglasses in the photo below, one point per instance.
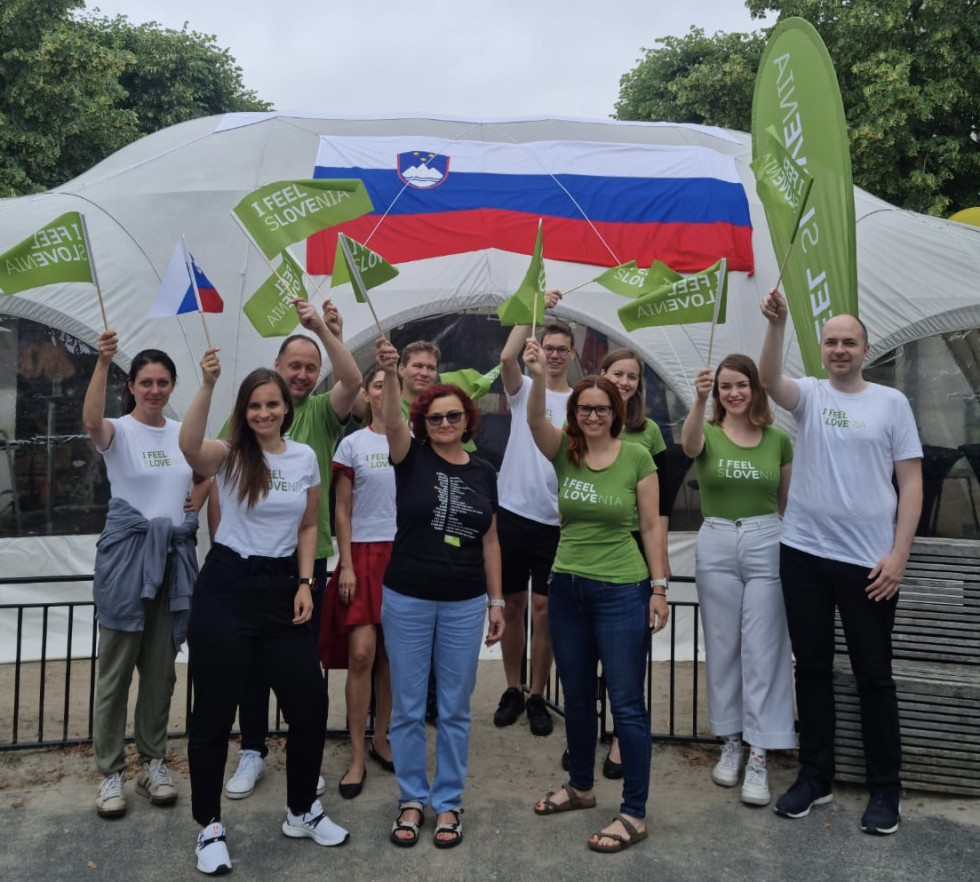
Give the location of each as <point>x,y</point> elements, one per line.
<point>435,419</point>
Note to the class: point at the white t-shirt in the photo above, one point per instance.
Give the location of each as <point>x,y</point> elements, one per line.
<point>271,526</point>
<point>147,469</point>
<point>527,484</point>
<point>373,505</point>
<point>842,504</point>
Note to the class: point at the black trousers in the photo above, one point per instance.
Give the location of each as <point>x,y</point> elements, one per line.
<point>812,587</point>
<point>242,613</point>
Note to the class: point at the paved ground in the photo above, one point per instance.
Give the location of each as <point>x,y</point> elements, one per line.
<point>701,832</point>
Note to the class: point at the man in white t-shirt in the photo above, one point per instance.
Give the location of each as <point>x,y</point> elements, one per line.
<point>527,520</point>
<point>846,538</point>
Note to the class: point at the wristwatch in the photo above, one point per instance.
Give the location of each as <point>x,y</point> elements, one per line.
<point>496,601</point>
<point>306,581</point>
<point>659,583</point>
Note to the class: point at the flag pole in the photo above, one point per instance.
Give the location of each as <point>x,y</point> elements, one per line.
<point>95,275</point>
<point>782,267</point>
<point>571,290</point>
<point>357,281</point>
<point>197,294</point>
<point>722,274</point>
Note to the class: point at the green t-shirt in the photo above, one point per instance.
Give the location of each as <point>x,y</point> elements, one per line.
<point>597,508</point>
<point>649,438</point>
<point>316,423</point>
<point>741,482</point>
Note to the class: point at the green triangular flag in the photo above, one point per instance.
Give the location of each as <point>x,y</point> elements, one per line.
<point>52,255</point>
<point>284,212</point>
<point>518,309</point>
<point>372,267</point>
<point>698,298</point>
<point>782,185</point>
<point>628,280</point>
<point>270,309</point>
<point>471,381</point>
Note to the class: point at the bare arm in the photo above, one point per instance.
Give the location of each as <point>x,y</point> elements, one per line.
<point>651,534</point>
<point>99,429</point>
<point>200,490</point>
<point>329,330</point>
<point>305,552</point>
<point>397,430</point>
<point>511,371</point>
<point>782,389</point>
<point>492,569</point>
<point>782,492</point>
<point>546,436</point>
<point>203,456</point>
<point>344,506</point>
<point>692,432</point>
<point>214,511</point>
<point>887,574</point>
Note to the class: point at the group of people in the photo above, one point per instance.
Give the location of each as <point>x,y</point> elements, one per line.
<point>436,553</point>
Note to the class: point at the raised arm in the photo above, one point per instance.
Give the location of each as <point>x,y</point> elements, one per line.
<point>203,456</point>
<point>329,329</point>
<point>399,435</point>
<point>546,436</point>
<point>782,389</point>
<point>99,429</point>
<point>511,371</point>
<point>692,432</point>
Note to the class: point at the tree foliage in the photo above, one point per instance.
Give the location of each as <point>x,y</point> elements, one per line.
<point>909,72</point>
<point>75,88</point>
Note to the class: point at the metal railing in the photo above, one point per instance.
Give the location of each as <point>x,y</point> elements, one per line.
<point>36,694</point>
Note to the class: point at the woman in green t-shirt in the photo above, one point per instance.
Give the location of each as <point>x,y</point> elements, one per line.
<point>743,466</point>
<point>600,603</point>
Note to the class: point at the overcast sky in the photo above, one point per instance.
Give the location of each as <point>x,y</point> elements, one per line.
<point>501,58</point>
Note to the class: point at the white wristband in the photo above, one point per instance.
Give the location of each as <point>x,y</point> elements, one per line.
<point>659,583</point>
<point>496,601</point>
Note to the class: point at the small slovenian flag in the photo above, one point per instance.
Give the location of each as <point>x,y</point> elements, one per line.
<point>176,294</point>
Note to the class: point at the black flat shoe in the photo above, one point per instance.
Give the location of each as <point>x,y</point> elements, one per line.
<point>349,791</point>
<point>611,770</point>
<point>386,764</point>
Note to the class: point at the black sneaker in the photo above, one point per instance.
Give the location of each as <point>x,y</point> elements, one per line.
<point>801,797</point>
<point>510,708</point>
<point>538,717</point>
<point>882,815</point>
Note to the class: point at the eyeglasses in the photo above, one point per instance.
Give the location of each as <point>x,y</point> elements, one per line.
<point>556,350</point>
<point>435,419</point>
<point>600,410</point>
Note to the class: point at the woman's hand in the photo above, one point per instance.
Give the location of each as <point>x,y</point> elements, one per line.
<point>704,382</point>
<point>302,605</point>
<point>346,585</point>
<point>495,629</point>
<point>386,356</point>
<point>659,612</point>
<point>108,346</point>
<point>532,357</point>
<point>210,366</point>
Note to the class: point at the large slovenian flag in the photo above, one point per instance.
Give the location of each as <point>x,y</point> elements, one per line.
<point>601,203</point>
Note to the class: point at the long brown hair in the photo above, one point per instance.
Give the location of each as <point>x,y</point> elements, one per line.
<point>636,410</point>
<point>246,460</point>
<point>759,412</point>
<point>577,444</point>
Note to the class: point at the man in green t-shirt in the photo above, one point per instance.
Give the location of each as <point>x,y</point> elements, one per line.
<point>318,420</point>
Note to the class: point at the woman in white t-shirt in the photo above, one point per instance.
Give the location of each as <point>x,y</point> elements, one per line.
<point>141,589</point>
<point>364,481</point>
<point>253,603</point>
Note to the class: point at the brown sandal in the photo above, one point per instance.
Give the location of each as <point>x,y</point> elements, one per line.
<point>621,842</point>
<point>572,804</point>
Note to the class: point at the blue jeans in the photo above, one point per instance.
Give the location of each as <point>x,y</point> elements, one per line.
<point>590,622</point>
<point>446,634</point>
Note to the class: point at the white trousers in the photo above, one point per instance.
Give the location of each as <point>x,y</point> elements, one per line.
<point>747,647</point>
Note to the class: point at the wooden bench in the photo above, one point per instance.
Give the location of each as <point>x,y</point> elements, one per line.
<point>936,647</point>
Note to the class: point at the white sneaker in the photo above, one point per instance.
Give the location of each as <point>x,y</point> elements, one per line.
<point>110,803</point>
<point>154,782</point>
<point>726,770</point>
<point>250,769</point>
<point>321,786</point>
<point>212,852</point>
<point>755,787</point>
<point>314,825</point>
